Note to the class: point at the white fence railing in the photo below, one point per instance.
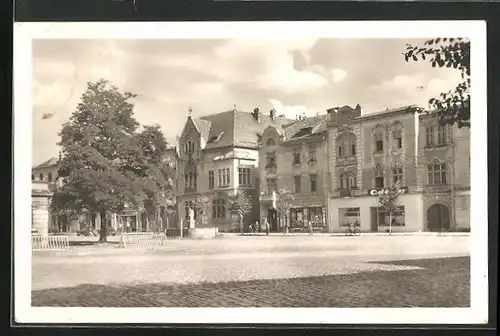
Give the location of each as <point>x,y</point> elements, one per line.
<point>49,243</point>
<point>142,240</point>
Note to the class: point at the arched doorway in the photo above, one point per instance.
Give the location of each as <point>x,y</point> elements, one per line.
<point>438,218</point>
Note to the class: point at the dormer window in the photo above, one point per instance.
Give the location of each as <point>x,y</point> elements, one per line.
<point>215,138</point>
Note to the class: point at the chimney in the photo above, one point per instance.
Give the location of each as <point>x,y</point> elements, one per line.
<point>358,108</point>
<point>272,114</point>
<point>256,114</point>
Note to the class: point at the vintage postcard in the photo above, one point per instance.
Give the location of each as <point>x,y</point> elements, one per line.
<point>308,172</point>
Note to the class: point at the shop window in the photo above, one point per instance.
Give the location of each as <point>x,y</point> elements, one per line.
<point>297,181</point>
<point>384,218</point>
<point>218,209</point>
<point>349,216</point>
<point>300,217</point>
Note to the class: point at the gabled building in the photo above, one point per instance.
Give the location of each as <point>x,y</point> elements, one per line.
<point>293,158</point>
<point>218,155</point>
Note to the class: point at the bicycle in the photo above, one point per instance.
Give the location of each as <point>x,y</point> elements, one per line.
<point>353,231</point>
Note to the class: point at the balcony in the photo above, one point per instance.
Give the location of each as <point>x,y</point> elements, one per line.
<point>266,196</point>
<point>343,192</point>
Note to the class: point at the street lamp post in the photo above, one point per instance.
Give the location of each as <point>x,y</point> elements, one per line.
<point>125,206</point>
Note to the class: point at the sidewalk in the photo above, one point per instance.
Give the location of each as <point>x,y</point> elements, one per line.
<point>337,234</point>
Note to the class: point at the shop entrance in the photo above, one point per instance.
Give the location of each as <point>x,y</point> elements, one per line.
<point>438,218</point>
<point>272,218</point>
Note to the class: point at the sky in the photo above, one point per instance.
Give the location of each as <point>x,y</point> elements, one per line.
<point>214,75</point>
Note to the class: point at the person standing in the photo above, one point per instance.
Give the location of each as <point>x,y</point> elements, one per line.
<point>310,227</point>
<point>266,226</point>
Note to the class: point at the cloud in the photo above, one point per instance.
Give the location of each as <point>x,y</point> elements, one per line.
<point>338,75</point>
<point>291,111</point>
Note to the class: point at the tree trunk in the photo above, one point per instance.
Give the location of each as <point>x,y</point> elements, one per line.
<point>103,234</point>
<point>241,224</point>
<point>390,223</point>
<point>147,220</point>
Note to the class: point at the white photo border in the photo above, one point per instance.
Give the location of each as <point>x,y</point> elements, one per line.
<point>24,33</point>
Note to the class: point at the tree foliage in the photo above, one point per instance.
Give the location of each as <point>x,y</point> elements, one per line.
<point>106,162</point>
<point>284,202</point>
<point>202,204</point>
<point>389,200</point>
<point>452,107</point>
<point>241,203</point>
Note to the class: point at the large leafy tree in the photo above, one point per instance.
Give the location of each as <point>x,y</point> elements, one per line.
<point>241,203</point>
<point>390,201</point>
<point>105,162</point>
<point>452,107</point>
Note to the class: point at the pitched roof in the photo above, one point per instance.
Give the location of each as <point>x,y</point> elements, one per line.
<point>401,109</point>
<point>237,128</point>
<point>203,126</point>
<point>49,163</point>
<point>306,127</point>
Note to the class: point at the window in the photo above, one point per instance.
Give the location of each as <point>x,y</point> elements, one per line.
<point>296,182</point>
<point>347,181</point>
<point>270,142</point>
<point>189,205</point>
<point>398,139</point>
<point>49,176</point>
<point>436,173</point>
<point>270,160</point>
<point>244,176</point>
<point>397,174</point>
<point>379,142</point>
<point>347,148</point>
<point>41,176</point>
<point>271,185</point>
<point>189,147</point>
<point>397,218</point>
<point>441,135</point>
<point>224,176</point>
<point>429,136</point>
<point>349,216</point>
<point>211,179</point>
<point>218,209</point>
<point>313,179</point>
<point>379,181</point>
<point>32,177</point>
<point>312,153</point>
<point>296,156</point>
<point>190,180</point>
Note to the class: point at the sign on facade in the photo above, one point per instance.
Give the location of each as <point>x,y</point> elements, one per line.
<point>385,191</point>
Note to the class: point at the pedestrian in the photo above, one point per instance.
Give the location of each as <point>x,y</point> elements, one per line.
<point>310,228</point>
<point>128,226</point>
<point>266,226</point>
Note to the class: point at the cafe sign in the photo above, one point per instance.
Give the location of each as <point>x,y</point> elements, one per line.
<point>385,191</point>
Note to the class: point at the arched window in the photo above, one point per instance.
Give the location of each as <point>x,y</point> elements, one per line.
<point>190,177</point>
<point>346,145</point>
<point>270,142</point>
<point>347,180</point>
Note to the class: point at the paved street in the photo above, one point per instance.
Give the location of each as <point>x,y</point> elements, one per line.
<point>296,271</point>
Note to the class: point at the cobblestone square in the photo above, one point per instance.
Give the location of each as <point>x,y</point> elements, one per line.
<point>279,272</point>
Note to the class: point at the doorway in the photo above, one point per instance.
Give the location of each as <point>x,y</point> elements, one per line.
<point>272,218</point>
<point>438,218</point>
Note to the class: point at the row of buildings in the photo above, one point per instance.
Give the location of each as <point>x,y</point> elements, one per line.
<point>334,164</point>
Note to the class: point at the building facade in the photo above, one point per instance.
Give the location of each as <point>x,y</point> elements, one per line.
<point>368,153</point>
<point>218,156</point>
<point>293,159</point>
